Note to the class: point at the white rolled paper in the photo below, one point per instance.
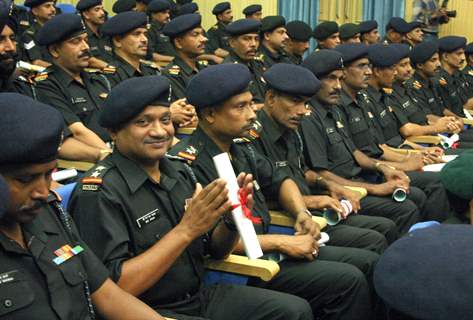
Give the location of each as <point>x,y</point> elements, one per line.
<point>244,225</point>
<point>64,174</point>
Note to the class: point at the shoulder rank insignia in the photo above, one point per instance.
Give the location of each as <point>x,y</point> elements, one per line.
<point>204,63</point>
<point>470,72</point>
<point>41,77</point>
<point>92,182</point>
<point>150,64</point>
<point>109,69</point>
<point>24,23</point>
<point>260,57</point>
<point>190,153</point>
<point>417,85</point>
<point>174,70</point>
<point>388,90</point>
<point>442,82</point>
<point>241,140</point>
<point>92,70</point>
<point>103,95</point>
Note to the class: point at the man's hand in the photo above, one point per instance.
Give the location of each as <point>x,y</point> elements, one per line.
<point>386,188</point>
<point>300,246</point>
<point>245,181</point>
<point>396,175</point>
<point>305,225</point>
<point>340,192</point>
<point>413,162</point>
<point>182,113</point>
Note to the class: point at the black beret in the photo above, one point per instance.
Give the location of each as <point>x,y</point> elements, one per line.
<point>403,49</point>
<point>349,30</point>
<point>269,23</point>
<point>451,43</point>
<point>323,62</point>
<point>414,24</point>
<point>469,48</point>
<point>188,8</point>
<point>427,274</point>
<point>132,96</point>
<point>124,22</point>
<point>398,24</point>
<point>216,84</point>
<point>292,79</point>
<point>325,29</point>
<point>4,197</point>
<point>181,2</point>
<point>123,5</point>
<point>221,7</point>
<point>457,176</point>
<point>367,26</point>
<point>423,52</point>
<point>383,55</point>
<point>182,24</point>
<point>87,4</point>
<point>31,131</point>
<point>252,9</point>
<point>5,10</point>
<point>352,51</point>
<point>299,31</point>
<point>243,26</point>
<point>34,3</point>
<point>146,2</point>
<point>61,27</point>
<point>158,6</point>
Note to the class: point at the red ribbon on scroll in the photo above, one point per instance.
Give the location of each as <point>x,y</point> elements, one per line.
<point>243,197</point>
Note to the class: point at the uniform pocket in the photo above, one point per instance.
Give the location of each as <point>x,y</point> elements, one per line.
<point>15,292</point>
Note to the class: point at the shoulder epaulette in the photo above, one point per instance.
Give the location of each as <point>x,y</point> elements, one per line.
<point>174,70</point>
<point>442,82</point>
<point>150,64</point>
<point>241,140</point>
<point>92,70</point>
<point>203,63</point>
<point>95,179</point>
<point>53,196</point>
<point>109,69</point>
<point>470,72</point>
<point>388,90</point>
<point>417,85</point>
<point>188,154</point>
<point>260,57</point>
<point>41,77</point>
<point>24,23</point>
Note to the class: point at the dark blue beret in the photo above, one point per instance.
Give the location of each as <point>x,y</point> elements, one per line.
<point>216,84</point>
<point>182,24</point>
<point>158,6</point>
<point>61,27</point>
<point>4,197</point>
<point>383,55</point>
<point>299,31</point>
<point>451,43</point>
<point>269,23</point>
<point>323,62</point>
<point>130,97</point>
<point>123,5</point>
<point>292,79</point>
<point>427,274</point>
<point>398,24</point>
<point>146,2</point>
<point>221,7</point>
<point>252,9</point>
<point>243,26</point>
<point>457,176</point>
<point>31,131</point>
<point>325,29</point>
<point>367,26</point>
<point>469,48</point>
<point>403,49</point>
<point>5,10</point>
<point>414,24</point>
<point>352,51</point>
<point>423,52</point>
<point>349,30</point>
<point>188,8</point>
<point>34,3</point>
<point>124,22</point>
<point>87,4</point>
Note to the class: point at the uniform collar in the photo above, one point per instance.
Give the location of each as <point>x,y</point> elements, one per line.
<point>375,94</point>
<point>269,53</point>
<point>346,99</point>
<point>318,107</point>
<point>128,68</point>
<point>62,76</point>
<point>184,66</point>
<point>273,131</point>
<point>421,80</point>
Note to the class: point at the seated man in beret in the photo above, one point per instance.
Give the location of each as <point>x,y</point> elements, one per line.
<point>297,44</point>
<point>289,88</point>
<point>151,223</point>
<point>160,45</point>
<point>468,69</point>
<point>142,5</point>
<point>218,38</point>
<point>396,30</point>
<point>415,35</point>
<point>42,11</point>
<point>93,15</point>
<point>273,40</point>
<point>350,33</point>
<point>369,32</point>
<point>327,35</point>
<point>244,42</point>
<point>253,11</point>
<point>123,6</point>
<point>328,277</point>
<point>78,93</point>
<point>51,272</point>
<point>330,152</point>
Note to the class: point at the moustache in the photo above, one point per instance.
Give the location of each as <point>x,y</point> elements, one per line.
<point>35,206</point>
<point>336,91</point>
<point>8,55</point>
<point>156,140</point>
<point>85,54</point>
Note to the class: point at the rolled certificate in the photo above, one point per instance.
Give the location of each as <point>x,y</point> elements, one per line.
<point>244,225</point>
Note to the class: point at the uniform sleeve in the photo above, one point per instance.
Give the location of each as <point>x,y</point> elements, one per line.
<point>177,86</point>
<point>213,43</point>
<point>31,49</point>
<point>315,146</point>
<point>102,226</point>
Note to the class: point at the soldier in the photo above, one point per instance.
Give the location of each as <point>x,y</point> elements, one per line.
<point>273,40</point>
<point>225,113</point>
<point>297,44</point>
<point>396,30</point>
<point>77,92</point>
<point>153,224</point>
<point>469,59</point>
<point>47,271</point>
<point>218,39</point>
<point>123,6</point>
<point>253,11</point>
<point>244,42</point>
<point>130,46</point>
<point>22,17</point>
<point>93,15</point>
<point>415,34</point>
<point>350,33</point>
<point>159,44</point>
<point>327,35</point>
<point>42,11</point>
<point>142,5</point>
<point>188,8</point>
<point>369,32</point>
<point>329,151</point>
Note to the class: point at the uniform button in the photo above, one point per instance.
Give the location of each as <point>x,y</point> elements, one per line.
<point>84,109</point>
<point>8,303</point>
<point>157,236</point>
<point>204,240</point>
<point>188,295</point>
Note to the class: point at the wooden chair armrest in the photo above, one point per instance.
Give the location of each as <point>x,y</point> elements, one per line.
<point>425,139</point>
<point>263,269</point>
<point>78,165</point>
<point>187,131</point>
<point>283,219</point>
<point>363,192</point>
<point>467,121</point>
